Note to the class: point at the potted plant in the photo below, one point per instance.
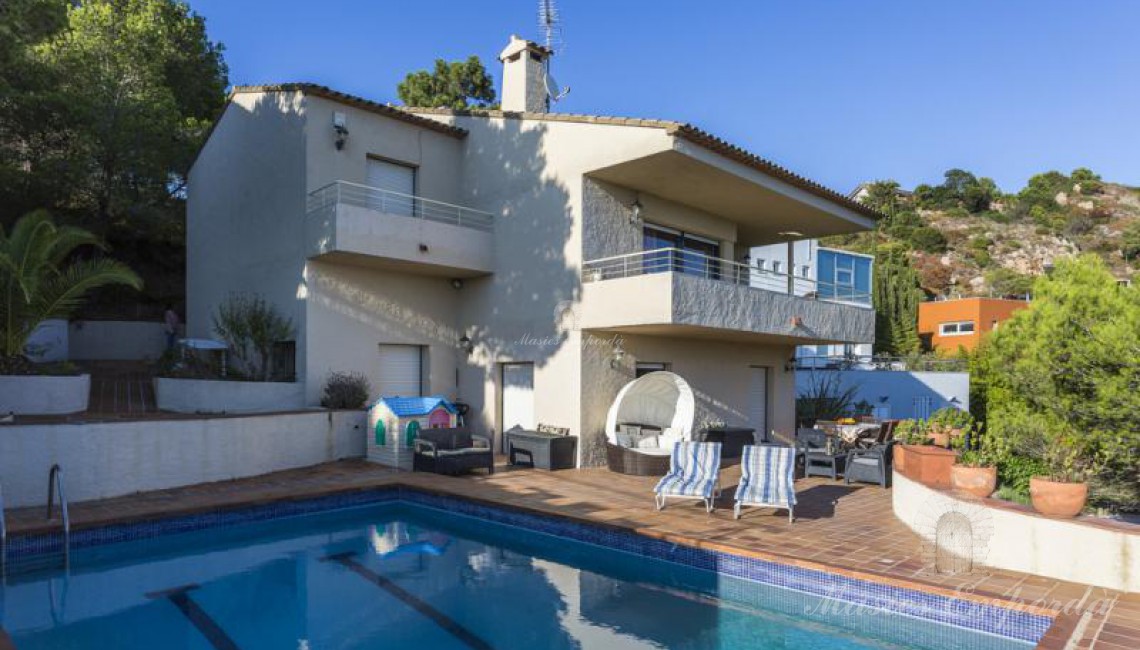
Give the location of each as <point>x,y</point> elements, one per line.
<point>1064,492</point>
<point>918,459</point>
<point>975,471</point>
<point>949,426</point>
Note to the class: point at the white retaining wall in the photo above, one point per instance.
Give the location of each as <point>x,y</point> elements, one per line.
<point>110,459</point>
<point>215,396</point>
<point>95,340</point>
<point>44,394</point>
<point>1064,549</point>
<point>902,388</point>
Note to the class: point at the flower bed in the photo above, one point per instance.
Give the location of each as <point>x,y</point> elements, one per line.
<point>44,394</point>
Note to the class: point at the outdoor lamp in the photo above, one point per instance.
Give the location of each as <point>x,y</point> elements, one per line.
<point>635,216</point>
<point>466,344</point>
<point>618,353</point>
<point>340,125</point>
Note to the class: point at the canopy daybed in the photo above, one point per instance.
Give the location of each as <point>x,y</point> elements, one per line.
<point>648,416</point>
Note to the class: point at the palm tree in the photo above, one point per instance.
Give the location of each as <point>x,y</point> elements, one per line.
<point>40,280</point>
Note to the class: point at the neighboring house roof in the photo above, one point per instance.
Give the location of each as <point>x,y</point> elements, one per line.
<point>679,129</point>
<point>317,90</point>
<point>415,406</point>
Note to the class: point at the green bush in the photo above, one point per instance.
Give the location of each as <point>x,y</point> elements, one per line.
<point>1014,472</point>
<point>345,390</point>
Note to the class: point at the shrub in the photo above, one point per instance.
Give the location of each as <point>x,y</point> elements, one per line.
<point>345,390</point>
<point>1014,472</point>
<point>1062,377</point>
<point>250,326</point>
<point>824,398</point>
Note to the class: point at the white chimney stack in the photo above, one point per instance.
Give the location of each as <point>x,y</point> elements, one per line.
<point>524,70</point>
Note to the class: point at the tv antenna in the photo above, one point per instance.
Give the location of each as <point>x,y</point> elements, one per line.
<point>551,24</point>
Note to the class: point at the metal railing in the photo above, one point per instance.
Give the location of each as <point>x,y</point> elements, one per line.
<point>396,203</point>
<point>676,260</point>
<point>55,486</point>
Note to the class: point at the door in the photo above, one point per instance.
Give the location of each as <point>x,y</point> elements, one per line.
<point>758,402</point>
<point>398,180</point>
<point>518,395</point>
<point>401,371</point>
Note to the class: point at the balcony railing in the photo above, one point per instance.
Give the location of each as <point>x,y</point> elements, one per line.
<point>675,260</point>
<point>396,203</point>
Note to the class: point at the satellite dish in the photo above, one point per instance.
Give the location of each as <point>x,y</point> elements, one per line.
<point>553,90</point>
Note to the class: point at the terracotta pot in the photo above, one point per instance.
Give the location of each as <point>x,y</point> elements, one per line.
<point>1056,498</point>
<point>925,464</point>
<point>941,439</point>
<point>978,481</point>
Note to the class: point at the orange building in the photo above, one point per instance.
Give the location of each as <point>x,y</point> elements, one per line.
<point>946,325</point>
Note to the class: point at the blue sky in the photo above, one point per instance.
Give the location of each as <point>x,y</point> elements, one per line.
<point>840,91</point>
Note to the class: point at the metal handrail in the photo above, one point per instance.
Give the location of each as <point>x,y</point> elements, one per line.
<point>689,262</point>
<point>55,486</point>
<point>397,203</point>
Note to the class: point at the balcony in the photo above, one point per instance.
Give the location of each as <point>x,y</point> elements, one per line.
<point>674,291</point>
<point>375,227</point>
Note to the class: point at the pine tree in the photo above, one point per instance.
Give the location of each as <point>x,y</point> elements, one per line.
<point>897,294</point>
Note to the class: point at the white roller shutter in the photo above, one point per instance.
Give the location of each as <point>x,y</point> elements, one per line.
<point>393,177</point>
<point>400,371</point>
<point>518,395</point>
<point>758,402</point>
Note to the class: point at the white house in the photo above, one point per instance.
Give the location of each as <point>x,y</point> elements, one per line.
<point>828,272</point>
<point>524,262</point>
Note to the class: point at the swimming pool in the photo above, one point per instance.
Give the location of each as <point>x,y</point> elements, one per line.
<point>403,569</point>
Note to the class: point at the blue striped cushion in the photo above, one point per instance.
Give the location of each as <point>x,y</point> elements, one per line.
<point>693,470</point>
<point>767,475</point>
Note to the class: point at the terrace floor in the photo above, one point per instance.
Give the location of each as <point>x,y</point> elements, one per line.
<point>838,528</point>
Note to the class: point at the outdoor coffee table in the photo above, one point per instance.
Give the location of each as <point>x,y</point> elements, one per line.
<point>541,450</point>
<point>732,439</point>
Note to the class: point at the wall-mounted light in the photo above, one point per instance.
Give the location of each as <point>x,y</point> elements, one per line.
<point>617,353</point>
<point>466,344</point>
<point>340,126</point>
<point>635,210</point>
<point>790,364</point>
<point>457,283</point>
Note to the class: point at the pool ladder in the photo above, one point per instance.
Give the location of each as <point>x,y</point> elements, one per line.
<point>55,486</point>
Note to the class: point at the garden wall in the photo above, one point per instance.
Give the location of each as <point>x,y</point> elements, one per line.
<point>44,394</point>
<point>904,390</point>
<point>1012,537</point>
<point>214,396</point>
<point>112,340</point>
<point>109,459</point>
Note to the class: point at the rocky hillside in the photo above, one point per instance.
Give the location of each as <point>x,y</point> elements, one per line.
<point>967,237</point>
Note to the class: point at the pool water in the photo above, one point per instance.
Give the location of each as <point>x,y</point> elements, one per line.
<point>406,576</point>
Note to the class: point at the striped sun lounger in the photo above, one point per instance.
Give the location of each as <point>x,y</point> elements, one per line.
<point>766,475</point>
<point>694,473</point>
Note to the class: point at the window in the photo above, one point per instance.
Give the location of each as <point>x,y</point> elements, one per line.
<point>777,266</point>
<point>760,264</point>
<point>844,271</point>
<point>960,328</point>
<point>844,276</point>
<point>397,183</point>
<point>283,361</point>
<point>805,271</point>
<point>645,367</point>
<point>694,254</point>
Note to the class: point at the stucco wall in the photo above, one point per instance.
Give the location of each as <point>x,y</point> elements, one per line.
<point>43,394</point>
<point>901,388</point>
<point>96,340</point>
<point>245,211</point>
<point>211,396</point>
<point>353,309</point>
<point>1021,541</point>
<point>719,373</point>
<point>107,459</point>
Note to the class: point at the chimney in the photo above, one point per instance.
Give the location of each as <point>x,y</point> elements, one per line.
<point>524,84</point>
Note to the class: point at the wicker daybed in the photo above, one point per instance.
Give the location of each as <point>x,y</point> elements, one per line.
<point>649,415</point>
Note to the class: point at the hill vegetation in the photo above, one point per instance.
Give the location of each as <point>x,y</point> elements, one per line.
<point>966,236</point>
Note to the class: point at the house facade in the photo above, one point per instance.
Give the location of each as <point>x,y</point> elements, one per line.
<point>829,273</point>
<point>523,262</point>
<point>947,325</point>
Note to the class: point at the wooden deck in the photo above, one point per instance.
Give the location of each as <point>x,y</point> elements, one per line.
<point>843,529</point>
